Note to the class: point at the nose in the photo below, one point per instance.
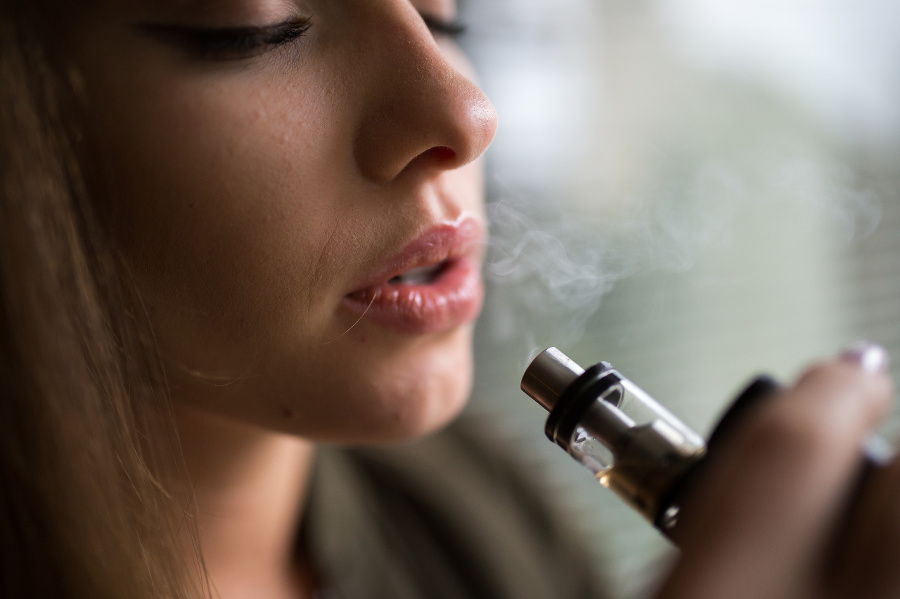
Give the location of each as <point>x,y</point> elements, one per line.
<point>420,113</point>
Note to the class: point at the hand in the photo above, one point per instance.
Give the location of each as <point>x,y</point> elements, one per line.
<point>779,512</point>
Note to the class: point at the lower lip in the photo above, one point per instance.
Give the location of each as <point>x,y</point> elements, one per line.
<point>450,301</point>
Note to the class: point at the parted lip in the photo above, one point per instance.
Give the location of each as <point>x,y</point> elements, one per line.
<point>439,243</point>
<point>441,298</point>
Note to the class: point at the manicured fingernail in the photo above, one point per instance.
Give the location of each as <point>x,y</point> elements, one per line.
<point>872,358</point>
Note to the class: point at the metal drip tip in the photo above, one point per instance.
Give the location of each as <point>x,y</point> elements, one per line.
<point>548,376</point>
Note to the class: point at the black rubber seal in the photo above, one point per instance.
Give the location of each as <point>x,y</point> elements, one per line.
<point>576,400</point>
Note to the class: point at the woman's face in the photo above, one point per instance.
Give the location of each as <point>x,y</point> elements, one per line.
<point>272,169</point>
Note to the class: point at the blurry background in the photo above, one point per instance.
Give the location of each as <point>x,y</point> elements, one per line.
<point>693,190</point>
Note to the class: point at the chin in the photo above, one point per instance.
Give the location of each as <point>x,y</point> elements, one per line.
<point>412,392</point>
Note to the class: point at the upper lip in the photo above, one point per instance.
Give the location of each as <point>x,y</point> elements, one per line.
<point>440,242</point>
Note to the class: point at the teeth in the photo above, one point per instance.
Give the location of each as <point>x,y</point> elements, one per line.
<point>422,275</point>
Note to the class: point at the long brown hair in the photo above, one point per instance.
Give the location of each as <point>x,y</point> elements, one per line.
<point>87,450</point>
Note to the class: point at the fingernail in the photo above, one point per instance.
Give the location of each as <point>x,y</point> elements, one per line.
<point>871,357</point>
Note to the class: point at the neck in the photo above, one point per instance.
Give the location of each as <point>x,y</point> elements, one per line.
<point>249,485</point>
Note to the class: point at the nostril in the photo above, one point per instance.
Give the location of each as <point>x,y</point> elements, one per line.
<point>443,154</point>
<point>441,157</point>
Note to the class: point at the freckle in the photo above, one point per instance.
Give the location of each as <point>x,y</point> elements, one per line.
<point>287,412</point>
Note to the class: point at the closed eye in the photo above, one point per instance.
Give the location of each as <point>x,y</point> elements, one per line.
<point>442,27</point>
<point>228,43</point>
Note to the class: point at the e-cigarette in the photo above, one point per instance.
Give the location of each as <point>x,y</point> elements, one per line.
<point>632,444</point>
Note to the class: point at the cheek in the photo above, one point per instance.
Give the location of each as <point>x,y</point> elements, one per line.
<point>222,206</point>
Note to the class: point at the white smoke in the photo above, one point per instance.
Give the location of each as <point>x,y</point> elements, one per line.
<point>549,267</point>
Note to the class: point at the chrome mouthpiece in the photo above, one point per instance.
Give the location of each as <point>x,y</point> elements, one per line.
<point>548,376</point>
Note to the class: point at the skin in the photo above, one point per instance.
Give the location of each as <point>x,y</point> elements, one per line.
<point>250,196</point>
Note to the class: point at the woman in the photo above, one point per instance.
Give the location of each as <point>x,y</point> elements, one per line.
<point>268,215</point>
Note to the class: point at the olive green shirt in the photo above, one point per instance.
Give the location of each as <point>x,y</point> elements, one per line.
<point>446,517</point>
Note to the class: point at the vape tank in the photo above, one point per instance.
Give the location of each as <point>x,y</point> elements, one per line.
<point>632,444</point>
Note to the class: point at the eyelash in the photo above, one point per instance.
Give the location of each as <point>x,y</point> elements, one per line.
<point>235,43</point>
<point>231,43</point>
<point>439,27</point>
